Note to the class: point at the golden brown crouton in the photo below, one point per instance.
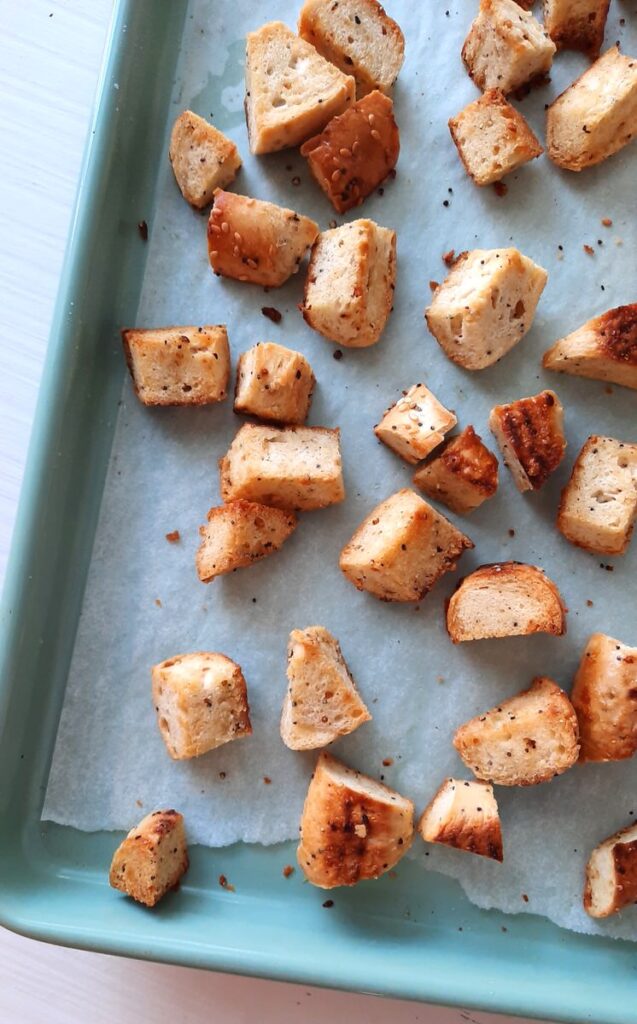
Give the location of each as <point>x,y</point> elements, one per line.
<point>178,365</point>
<point>611,874</point>
<point>293,468</point>
<point>274,383</point>
<point>523,741</point>
<point>576,24</point>
<point>506,47</point>
<point>152,858</point>
<point>415,424</point>
<point>605,699</point>
<point>355,151</point>
<point>202,158</point>
<point>239,534</point>
<point>251,240</point>
<point>505,599</point>
<point>530,433</point>
<point>402,548</point>
<point>492,138</point>
<point>201,703</point>
<point>604,348</point>
<point>352,828</point>
<point>464,815</point>
<point>598,506</point>
<point>462,473</point>
<point>321,702</point>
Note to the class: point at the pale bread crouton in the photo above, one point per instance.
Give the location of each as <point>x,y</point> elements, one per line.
<point>274,383</point>
<point>349,289</point>
<point>352,828</point>
<point>359,37</point>
<point>485,305</point>
<point>239,534</point>
<point>291,90</point>
<point>462,473</point>
<point>415,424</point>
<point>492,138</point>
<point>598,506</point>
<point>355,151</point>
<point>201,702</point>
<point>321,702</point>
<point>202,158</point>
<point>505,599</point>
<point>464,815</point>
<point>252,240</point>
<point>152,858</point>
<point>611,874</point>
<point>576,24</point>
<point>604,696</point>
<point>293,468</point>
<point>178,365</point>
<point>506,47</point>
<point>401,549</point>
<point>530,433</point>
<point>596,116</point>
<point>525,740</point>
<point>604,348</point>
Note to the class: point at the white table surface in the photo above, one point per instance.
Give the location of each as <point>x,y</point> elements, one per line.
<point>49,62</point>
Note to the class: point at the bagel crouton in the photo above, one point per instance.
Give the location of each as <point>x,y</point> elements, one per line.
<point>525,740</point>
<point>604,696</point>
<point>485,305</point>
<point>598,506</point>
<point>492,138</point>
<point>611,874</point>
<point>239,534</point>
<point>530,433</point>
<point>462,473</point>
<point>415,424</point>
<point>401,549</point>
<point>201,702</point>
<point>292,468</point>
<point>464,815</point>
<point>202,158</point>
<point>274,383</point>
<point>178,365</point>
<point>353,828</point>
<point>152,858</point>
<point>506,47</point>
<point>576,24</point>
<point>321,702</point>
<point>505,599</point>
<point>604,348</point>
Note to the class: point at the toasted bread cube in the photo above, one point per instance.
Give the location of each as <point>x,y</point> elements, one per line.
<point>492,138</point>
<point>604,348</point>
<point>293,468</point>
<point>530,433</point>
<point>178,365</point>
<point>596,116</point>
<point>505,599</point>
<point>506,47</point>
<point>576,24</point>
<point>358,37</point>
<point>604,696</point>
<point>321,702</point>
<point>274,383</point>
<point>462,474</point>
<point>202,158</point>
<point>611,874</point>
<point>251,240</point>
<point>291,90</point>
<point>598,506</point>
<point>464,815</point>
<point>401,549</point>
<point>152,858</point>
<point>239,534</point>
<point>201,703</point>
<point>415,424</point>
<point>525,740</point>
<point>485,305</point>
<point>349,289</point>
<point>352,828</point>
<point>355,151</point>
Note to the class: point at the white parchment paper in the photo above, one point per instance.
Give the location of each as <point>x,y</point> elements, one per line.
<point>143,600</point>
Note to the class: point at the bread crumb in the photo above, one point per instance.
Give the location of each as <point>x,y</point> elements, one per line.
<point>267,780</point>
<point>588,249</point>
<point>173,537</point>
<point>272,314</point>
<point>139,803</point>
<point>158,602</point>
<point>288,870</point>
<point>607,222</point>
<point>328,903</point>
<point>589,603</point>
<point>433,285</point>
<point>525,897</point>
<point>142,227</point>
<point>225,884</point>
<point>500,188</point>
<point>388,762</point>
<point>449,258</point>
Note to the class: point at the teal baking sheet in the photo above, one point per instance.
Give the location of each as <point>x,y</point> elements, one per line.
<point>415,935</point>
